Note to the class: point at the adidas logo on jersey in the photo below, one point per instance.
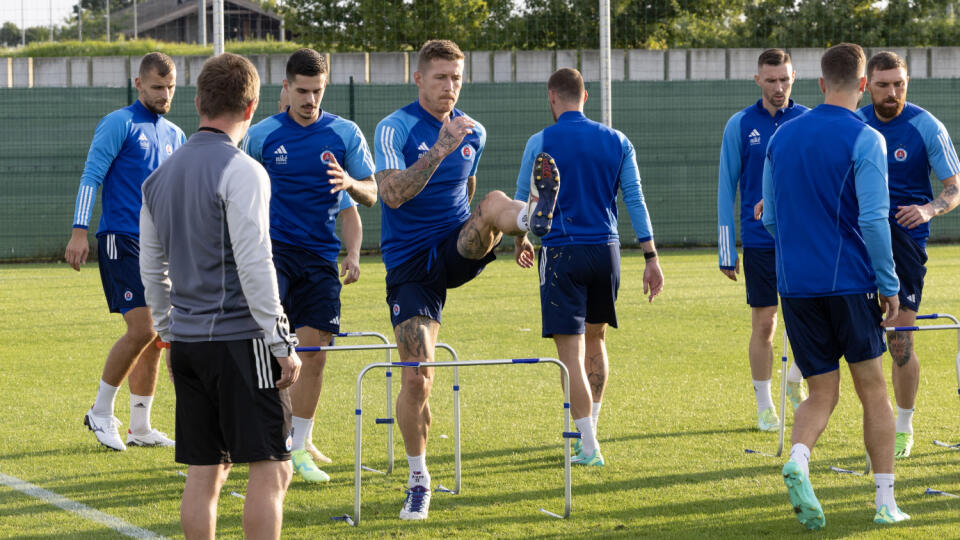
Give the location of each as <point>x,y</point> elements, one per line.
<point>144,141</point>
<point>422,149</point>
<point>280,155</point>
<point>754,137</point>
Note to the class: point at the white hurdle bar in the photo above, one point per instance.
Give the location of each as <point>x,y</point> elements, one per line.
<point>954,326</point>
<point>387,348</point>
<point>567,434</point>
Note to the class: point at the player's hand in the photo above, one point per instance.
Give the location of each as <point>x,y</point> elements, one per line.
<point>77,249</point>
<point>652,278</point>
<point>453,132</point>
<point>339,179</point>
<point>350,269</point>
<point>914,215</point>
<point>523,251</point>
<point>890,307</point>
<point>289,370</point>
<point>732,274</point>
<point>758,210</point>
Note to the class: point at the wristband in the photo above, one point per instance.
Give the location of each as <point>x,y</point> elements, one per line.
<point>647,255</point>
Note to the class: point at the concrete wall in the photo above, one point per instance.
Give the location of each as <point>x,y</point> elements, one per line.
<point>480,66</point>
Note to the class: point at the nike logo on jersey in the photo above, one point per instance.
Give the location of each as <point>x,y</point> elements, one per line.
<point>754,137</point>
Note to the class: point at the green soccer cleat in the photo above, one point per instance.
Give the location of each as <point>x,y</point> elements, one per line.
<point>593,460</point>
<point>805,503</point>
<point>796,393</point>
<point>576,446</point>
<point>903,445</point>
<point>768,420</point>
<point>304,466</point>
<point>886,516</point>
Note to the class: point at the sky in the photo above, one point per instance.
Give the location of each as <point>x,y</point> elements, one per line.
<point>35,12</point>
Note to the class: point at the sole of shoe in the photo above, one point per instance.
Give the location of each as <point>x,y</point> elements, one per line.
<point>546,177</point>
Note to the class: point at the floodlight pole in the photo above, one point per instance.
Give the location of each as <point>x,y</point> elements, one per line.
<point>606,113</point>
<point>79,21</point>
<point>23,26</point>
<point>51,19</point>
<point>201,22</point>
<point>217,27</point>
<point>108,19</point>
<point>135,32</point>
<point>282,24</point>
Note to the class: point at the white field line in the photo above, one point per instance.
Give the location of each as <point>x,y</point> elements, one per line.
<point>81,510</point>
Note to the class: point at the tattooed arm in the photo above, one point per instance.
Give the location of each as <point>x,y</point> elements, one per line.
<point>399,186</point>
<point>915,215</point>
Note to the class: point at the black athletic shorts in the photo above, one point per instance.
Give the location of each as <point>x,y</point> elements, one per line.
<point>910,259</point>
<point>228,407</point>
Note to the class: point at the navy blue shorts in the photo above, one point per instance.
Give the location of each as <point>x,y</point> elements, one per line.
<point>910,258</point>
<point>119,261</point>
<point>823,329</point>
<point>578,285</point>
<point>760,274</point>
<point>418,286</point>
<point>309,287</point>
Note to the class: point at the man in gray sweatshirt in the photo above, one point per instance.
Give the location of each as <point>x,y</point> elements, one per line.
<point>209,280</point>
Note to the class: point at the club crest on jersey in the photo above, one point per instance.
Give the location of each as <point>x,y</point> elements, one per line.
<point>467,152</point>
<point>127,295</point>
<point>289,442</point>
<point>396,310</point>
<point>754,137</point>
<point>168,148</point>
<point>900,154</point>
<point>326,157</point>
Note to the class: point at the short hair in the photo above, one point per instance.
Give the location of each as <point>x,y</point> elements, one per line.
<point>773,57</point>
<point>842,65</point>
<point>567,84</point>
<point>885,60</point>
<point>307,62</point>
<point>442,49</point>
<point>227,84</point>
<point>156,61</point>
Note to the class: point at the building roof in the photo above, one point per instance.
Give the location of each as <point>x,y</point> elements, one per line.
<point>154,13</point>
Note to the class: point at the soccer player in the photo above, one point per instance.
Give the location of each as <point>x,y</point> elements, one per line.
<point>825,202</point>
<point>579,260</point>
<point>212,289</point>
<point>916,143</point>
<point>427,154</point>
<point>741,162</point>
<point>127,146</point>
<point>302,149</point>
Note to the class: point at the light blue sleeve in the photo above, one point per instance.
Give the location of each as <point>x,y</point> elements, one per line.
<point>940,152</point>
<point>107,142</point>
<point>346,201</point>
<point>534,147</point>
<point>769,205</point>
<point>482,133</point>
<point>253,143</point>
<point>359,161</point>
<point>632,194</point>
<point>873,198</point>
<point>388,141</point>
<point>729,176</point>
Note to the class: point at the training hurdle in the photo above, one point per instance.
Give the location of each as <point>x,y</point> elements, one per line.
<point>455,364</point>
<point>388,420</point>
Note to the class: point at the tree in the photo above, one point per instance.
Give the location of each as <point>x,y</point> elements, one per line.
<point>10,34</point>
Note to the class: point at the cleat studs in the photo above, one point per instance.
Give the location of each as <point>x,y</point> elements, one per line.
<point>539,214</point>
<point>550,215</point>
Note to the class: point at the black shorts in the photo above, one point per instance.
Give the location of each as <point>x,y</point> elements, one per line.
<point>823,329</point>
<point>118,257</point>
<point>760,275</point>
<point>228,407</point>
<point>909,258</point>
<point>578,285</point>
<point>418,286</point>
<point>309,287</point>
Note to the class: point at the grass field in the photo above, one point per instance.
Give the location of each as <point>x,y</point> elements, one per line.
<point>678,414</point>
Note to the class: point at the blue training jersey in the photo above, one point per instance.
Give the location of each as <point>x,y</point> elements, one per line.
<point>825,201</point>
<point>128,145</point>
<point>594,162</point>
<point>916,143</point>
<point>303,212</point>
<point>400,140</point>
<point>742,153</point>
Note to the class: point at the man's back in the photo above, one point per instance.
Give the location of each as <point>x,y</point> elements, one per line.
<point>828,174</point>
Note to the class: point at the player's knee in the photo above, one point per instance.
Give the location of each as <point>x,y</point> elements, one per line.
<point>901,347</point>
<point>418,385</point>
<point>141,336</point>
<point>597,332</point>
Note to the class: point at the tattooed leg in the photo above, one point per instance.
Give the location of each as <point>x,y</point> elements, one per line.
<point>906,367</point>
<point>495,215</point>
<point>597,364</point>
<point>416,338</point>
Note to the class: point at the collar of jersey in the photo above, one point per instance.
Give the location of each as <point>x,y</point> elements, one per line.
<point>782,111</point>
<point>836,109</point>
<point>140,110</point>
<point>429,118</point>
<point>322,118</point>
<point>572,116</point>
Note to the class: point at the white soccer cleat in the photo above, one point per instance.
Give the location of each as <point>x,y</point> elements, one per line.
<point>417,504</point>
<point>154,438</point>
<point>105,429</point>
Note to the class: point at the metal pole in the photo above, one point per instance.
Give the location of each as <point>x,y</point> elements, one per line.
<point>283,31</point>
<point>108,19</point>
<point>201,22</point>
<point>79,21</point>
<point>217,27</point>
<point>51,20</point>
<point>606,109</point>
<point>135,29</point>
<point>23,26</point>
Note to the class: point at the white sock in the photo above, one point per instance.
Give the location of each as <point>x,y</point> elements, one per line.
<point>801,454</point>
<point>762,390</point>
<point>884,483</point>
<point>301,428</point>
<point>588,436</point>
<point>904,420</point>
<point>595,415</point>
<point>419,476</point>
<point>140,414</point>
<point>794,375</point>
<point>523,220</point>
<point>103,406</point>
